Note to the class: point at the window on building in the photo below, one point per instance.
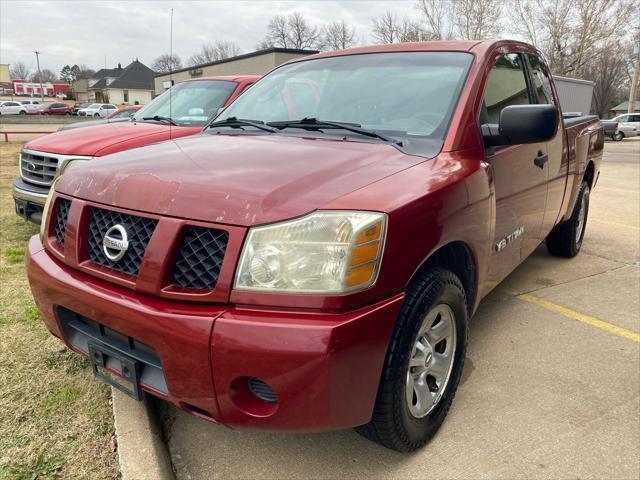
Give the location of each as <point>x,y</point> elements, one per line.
<point>125,95</point>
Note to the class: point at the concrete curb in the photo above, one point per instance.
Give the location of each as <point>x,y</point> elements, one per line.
<point>142,453</point>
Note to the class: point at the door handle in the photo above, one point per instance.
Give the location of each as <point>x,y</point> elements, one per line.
<point>541,159</point>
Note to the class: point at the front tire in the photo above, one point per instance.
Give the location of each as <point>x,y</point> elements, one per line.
<point>618,136</point>
<point>565,240</point>
<point>423,365</point>
<point>22,112</point>
<point>95,115</point>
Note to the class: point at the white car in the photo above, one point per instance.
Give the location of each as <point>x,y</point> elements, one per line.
<point>632,119</point>
<point>625,130</point>
<point>12,108</point>
<point>31,105</point>
<point>97,110</point>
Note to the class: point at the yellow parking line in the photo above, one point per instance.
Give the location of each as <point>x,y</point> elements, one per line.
<point>594,322</point>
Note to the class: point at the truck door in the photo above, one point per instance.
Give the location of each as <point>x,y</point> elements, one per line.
<point>558,163</point>
<point>519,183</point>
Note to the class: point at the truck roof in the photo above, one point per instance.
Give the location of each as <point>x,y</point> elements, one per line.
<point>432,46</point>
<point>228,78</point>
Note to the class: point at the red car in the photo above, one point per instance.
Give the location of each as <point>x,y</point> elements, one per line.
<point>310,262</point>
<point>55,109</point>
<point>194,104</point>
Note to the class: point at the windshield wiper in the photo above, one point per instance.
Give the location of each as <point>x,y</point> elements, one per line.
<point>159,118</point>
<point>233,122</point>
<point>311,123</point>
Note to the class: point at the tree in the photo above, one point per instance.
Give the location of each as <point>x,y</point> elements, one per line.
<point>19,71</point>
<point>338,36</point>
<point>476,19</point>
<point>608,69</point>
<point>166,63</point>
<point>437,19</point>
<point>47,76</point>
<point>83,71</point>
<point>291,31</point>
<point>212,52</point>
<point>571,33</point>
<point>67,74</point>
<point>389,29</point>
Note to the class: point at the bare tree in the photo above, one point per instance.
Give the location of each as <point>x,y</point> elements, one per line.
<point>476,19</point>
<point>19,71</point>
<point>608,69</point>
<point>571,33</point>
<point>166,63</point>
<point>47,76</point>
<point>437,17</point>
<point>301,33</point>
<point>390,29</point>
<point>386,29</point>
<point>291,31</point>
<point>338,36</point>
<point>84,71</point>
<point>212,52</point>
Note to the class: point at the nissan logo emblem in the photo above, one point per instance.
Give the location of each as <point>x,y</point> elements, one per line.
<point>31,167</point>
<point>115,243</point>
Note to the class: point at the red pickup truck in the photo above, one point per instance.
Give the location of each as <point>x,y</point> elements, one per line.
<point>194,103</point>
<point>310,262</point>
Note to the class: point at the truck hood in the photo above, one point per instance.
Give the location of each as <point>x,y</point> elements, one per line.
<point>100,140</point>
<point>237,180</point>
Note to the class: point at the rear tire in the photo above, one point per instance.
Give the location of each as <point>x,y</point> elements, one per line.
<point>618,136</point>
<point>420,358</point>
<point>565,240</point>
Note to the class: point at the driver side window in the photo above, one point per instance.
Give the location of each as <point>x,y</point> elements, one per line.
<point>505,86</point>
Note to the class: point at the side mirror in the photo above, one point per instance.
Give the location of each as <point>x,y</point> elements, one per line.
<point>522,124</point>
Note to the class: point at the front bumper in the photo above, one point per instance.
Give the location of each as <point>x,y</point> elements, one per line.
<point>323,367</point>
<point>29,200</point>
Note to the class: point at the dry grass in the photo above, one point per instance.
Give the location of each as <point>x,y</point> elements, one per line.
<point>55,420</point>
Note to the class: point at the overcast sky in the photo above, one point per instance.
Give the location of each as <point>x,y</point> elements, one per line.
<point>76,32</point>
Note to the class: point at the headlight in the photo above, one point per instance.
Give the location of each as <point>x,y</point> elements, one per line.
<point>324,252</point>
<point>45,210</point>
<point>68,165</point>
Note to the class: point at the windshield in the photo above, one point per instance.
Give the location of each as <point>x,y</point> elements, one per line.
<point>408,96</point>
<point>123,114</point>
<point>192,103</point>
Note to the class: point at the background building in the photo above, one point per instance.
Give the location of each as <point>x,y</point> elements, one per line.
<point>254,63</point>
<point>22,87</point>
<point>132,85</point>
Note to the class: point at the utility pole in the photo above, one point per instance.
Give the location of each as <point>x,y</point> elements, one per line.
<point>634,79</point>
<point>39,75</point>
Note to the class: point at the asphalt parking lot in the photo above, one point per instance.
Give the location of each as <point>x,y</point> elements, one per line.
<point>551,387</point>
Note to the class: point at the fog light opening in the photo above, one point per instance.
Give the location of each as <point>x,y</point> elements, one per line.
<point>253,396</point>
<point>261,390</point>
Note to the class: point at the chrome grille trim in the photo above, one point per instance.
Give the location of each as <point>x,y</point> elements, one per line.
<point>41,168</point>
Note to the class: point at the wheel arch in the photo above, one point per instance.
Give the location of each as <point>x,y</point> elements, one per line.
<point>457,257</point>
<point>589,173</point>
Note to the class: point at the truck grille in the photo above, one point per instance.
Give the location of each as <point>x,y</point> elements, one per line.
<point>139,231</point>
<point>38,168</point>
<point>61,219</point>
<point>200,258</point>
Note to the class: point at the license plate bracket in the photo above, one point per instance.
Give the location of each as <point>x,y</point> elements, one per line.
<point>115,369</point>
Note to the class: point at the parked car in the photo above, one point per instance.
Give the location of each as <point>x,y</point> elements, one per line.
<point>123,115</point>
<point>98,110</point>
<point>55,109</point>
<point>31,105</point>
<point>12,108</point>
<point>79,106</point>
<point>632,119</point>
<point>625,130</point>
<point>311,260</point>
<point>195,103</point>
<point>610,128</point>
